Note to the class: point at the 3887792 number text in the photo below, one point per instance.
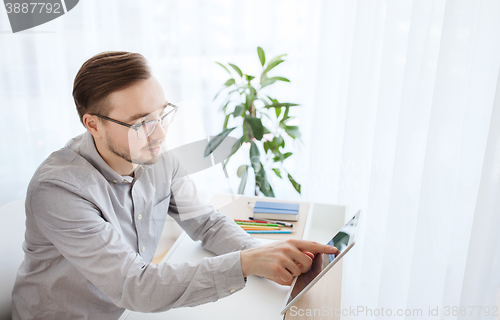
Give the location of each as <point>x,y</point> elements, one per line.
<point>470,311</point>
<point>33,7</point>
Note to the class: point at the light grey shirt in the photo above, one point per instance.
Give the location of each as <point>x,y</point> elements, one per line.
<point>91,235</point>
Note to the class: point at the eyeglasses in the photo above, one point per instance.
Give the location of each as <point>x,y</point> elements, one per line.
<point>145,128</point>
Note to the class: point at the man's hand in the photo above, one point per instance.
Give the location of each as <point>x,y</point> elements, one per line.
<point>281,261</point>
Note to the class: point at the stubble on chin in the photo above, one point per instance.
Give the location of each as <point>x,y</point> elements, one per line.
<point>125,154</point>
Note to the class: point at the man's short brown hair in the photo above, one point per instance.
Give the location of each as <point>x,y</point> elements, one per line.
<point>103,74</point>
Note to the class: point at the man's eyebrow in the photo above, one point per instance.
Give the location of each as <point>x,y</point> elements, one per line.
<point>142,115</point>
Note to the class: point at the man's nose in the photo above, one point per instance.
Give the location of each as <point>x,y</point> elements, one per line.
<point>159,133</point>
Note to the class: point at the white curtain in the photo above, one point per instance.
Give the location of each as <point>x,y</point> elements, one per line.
<point>399,113</point>
<point>181,39</point>
<point>404,124</point>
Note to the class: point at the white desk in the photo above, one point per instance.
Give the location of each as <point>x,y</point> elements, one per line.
<point>261,298</point>
<point>258,295</point>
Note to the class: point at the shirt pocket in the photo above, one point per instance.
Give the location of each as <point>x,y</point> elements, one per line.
<point>159,214</point>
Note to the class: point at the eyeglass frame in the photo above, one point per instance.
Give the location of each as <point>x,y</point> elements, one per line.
<point>139,125</point>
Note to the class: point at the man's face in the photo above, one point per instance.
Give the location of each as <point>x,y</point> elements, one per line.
<point>144,100</point>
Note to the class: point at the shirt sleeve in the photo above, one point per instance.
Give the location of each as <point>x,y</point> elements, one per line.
<point>201,221</point>
<point>76,228</point>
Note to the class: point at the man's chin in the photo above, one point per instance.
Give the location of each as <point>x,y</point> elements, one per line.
<point>147,161</point>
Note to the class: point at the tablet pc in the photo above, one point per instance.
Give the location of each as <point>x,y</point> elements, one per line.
<point>343,240</point>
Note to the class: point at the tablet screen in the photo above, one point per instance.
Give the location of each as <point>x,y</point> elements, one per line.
<point>341,241</point>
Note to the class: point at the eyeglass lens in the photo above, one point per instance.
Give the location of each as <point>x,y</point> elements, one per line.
<point>149,126</point>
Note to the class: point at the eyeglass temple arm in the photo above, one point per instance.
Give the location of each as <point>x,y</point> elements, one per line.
<point>115,121</point>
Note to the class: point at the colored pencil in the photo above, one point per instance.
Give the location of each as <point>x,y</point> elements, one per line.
<point>258,224</point>
<point>253,220</point>
<point>285,224</point>
<point>259,228</point>
<point>270,231</point>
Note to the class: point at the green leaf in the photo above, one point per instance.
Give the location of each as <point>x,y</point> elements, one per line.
<point>278,172</point>
<point>276,58</point>
<point>216,141</point>
<point>272,100</point>
<point>285,117</point>
<point>267,190</point>
<point>275,144</point>
<point>230,82</point>
<point>263,183</point>
<point>220,64</point>
<point>243,183</point>
<point>268,145</point>
<point>236,146</point>
<point>281,79</point>
<point>272,64</point>
<point>256,127</point>
<point>293,131</point>
<point>263,77</point>
<point>218,93</point>
<point>255,159</point>
<point>238,110</point>
<point>281,157</point>
<point>254,154</point>
<point>269,81</point>
<point>278,111</point>
<point>262,56</point>
<point>287,109</point>
<point>224,127</point>
<point>241,170</point>
<point>282,104</point>
<point>224,107</point>
<point>234,90</point>
<point>266,130</point>
<point>249,78</point>
<point>279,141</point>
<point>294,183</point>
<point>236,69</point>
<point>253,93</point>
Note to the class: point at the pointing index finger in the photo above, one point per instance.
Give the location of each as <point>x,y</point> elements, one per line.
<point>313,246</point>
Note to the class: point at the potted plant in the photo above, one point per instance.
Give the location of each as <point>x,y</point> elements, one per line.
<point>264,123</point>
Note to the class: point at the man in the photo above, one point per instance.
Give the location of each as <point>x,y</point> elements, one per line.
<point>95,211</point>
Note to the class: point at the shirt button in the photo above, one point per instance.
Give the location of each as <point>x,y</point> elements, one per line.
<point>115,181</point>
<point>232,290</point>
<point>143,249</point>
<point>139,216</point>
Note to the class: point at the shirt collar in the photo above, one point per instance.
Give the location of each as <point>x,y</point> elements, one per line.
<point>84,145</point>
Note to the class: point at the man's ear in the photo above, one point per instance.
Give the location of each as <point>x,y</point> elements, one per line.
<point>93,126</point>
